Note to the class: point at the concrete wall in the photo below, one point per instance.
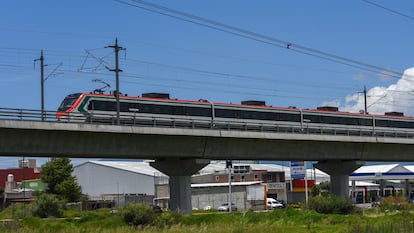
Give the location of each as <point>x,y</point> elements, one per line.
<point>215,196</point>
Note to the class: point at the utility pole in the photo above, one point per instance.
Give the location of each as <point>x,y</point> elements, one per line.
<point>229,167</point>
<point>42,81</point>
<point>365,99</point>
<point>116,70</point>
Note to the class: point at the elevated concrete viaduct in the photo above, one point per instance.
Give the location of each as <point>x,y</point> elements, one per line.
<point>180,152</point>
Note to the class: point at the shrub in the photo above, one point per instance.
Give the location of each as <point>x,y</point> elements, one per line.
<point>331,205</point>
<point>137,215</point>
<point>47,205</point>
<point>393,203</point>
<point>166,219</point>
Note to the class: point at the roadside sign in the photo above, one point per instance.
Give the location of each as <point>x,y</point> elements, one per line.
<point>297,169</point>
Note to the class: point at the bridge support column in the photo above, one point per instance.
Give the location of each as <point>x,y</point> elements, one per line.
<point>339,170</point>
<point>179,172</point>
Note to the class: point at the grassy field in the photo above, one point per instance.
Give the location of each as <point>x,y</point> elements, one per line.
<point>282,220</point>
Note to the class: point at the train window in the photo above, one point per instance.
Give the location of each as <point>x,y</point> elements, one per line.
<point>66,104</point>
<point>258,115</point>
<point>177,110</point>
<point>338,120</point>
<point>161,109</point>
<point>154,109</point>
<point>198,111</point>
<point>100,105</point>
<point>225,113</point>
<point>394,123</point>
<point>145,108</point>
<point>288,117</point>
<point>365,121</point>
<point>124,106</point>
<point>312,118</point>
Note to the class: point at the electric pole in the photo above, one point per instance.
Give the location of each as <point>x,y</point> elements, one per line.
<point>116,70</point>
<point>365,99</point>
<point>229,166</point>
<point>42,81</point>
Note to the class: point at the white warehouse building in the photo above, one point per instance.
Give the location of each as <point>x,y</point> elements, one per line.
<point>117,178</point>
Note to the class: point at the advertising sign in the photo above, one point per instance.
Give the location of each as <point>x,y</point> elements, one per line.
<point>297,169</point>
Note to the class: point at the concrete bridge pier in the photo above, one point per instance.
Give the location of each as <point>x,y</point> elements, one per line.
<point>339,171</point>
<point>179,172</point>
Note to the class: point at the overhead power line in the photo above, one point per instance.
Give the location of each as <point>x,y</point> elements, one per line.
<point>388,9</point>
<point>240,76</point>
<point>151,7</point>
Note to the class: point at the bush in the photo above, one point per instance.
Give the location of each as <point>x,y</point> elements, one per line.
<point>166,219</point>
<point>393,203</point>
<point>331,205</point>
<point>137,215</point>
<point>47,205</point>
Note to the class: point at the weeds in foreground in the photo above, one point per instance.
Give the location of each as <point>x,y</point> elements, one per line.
<point>283,220</point>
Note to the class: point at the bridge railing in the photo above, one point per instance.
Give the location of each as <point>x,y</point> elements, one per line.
<point>205,123</point>
<point>26,114</point>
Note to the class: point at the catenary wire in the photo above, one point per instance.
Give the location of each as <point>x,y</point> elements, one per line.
<point>256,36</point>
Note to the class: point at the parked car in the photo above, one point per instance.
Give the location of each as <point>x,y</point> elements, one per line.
<point>273,203</point>
<point>283,203</point>
<point>225,207</point>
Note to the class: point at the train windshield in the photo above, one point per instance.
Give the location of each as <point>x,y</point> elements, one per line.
<point>68,102</point>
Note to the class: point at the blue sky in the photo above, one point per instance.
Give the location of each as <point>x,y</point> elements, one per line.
<point>189,61</point>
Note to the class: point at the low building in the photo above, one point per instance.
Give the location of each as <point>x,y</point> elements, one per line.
<point>27,170</point>
<point>20,183</point>
<point>119,182</point>
<point>245,195</point>
<point>392,179</point>
<point>250,185</point>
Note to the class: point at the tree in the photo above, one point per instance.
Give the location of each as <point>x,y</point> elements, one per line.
<point>57,173</point>
<point>69,189</point>
<point>325,186</point>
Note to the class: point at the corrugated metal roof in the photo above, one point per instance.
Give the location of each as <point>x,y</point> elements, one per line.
<point>410,167</point>
<point>136,167</point>
<point>383,171</point>
<point>376,168</point>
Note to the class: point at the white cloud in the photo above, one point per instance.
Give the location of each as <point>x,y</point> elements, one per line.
<point>398,97</point>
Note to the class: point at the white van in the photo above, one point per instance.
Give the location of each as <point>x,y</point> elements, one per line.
<point>273,203</point>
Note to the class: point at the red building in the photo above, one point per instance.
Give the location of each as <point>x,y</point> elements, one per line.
<point>19,175</point>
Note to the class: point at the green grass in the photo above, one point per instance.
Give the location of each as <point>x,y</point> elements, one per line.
<point>283,220</point>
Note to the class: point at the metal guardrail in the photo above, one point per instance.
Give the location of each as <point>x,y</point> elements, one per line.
<point>202,123</point>
<point>26,114</point>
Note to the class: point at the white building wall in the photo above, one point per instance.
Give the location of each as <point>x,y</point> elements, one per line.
<point>97,179</point>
